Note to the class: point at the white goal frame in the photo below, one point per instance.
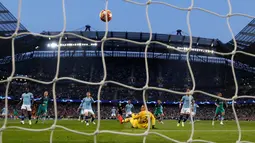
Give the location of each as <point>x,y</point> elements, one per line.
<point>146,85</point>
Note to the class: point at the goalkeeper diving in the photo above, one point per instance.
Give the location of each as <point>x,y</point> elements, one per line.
<point>140,120</point>
<point>42,109</point>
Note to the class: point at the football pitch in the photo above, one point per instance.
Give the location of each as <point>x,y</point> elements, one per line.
<point>203,131</point>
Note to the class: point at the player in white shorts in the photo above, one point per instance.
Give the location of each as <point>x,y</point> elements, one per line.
<point>129,108</point>
<point>87,108</point>
<point>27,100</point>
<point>113,113</point>
<point>185,108</point>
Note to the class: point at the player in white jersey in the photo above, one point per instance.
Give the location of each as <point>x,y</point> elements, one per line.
<point>113,113</point>
<point>185,105</point>
<point>129,107</point>
<point>86,108</point>
<point>27,100</point>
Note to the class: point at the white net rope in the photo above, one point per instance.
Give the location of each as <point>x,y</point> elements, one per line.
<point>104,81</point>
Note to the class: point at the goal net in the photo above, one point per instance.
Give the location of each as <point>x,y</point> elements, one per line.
<point>146,86</point>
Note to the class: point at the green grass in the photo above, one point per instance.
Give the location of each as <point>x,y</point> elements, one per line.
<point>203,131</point>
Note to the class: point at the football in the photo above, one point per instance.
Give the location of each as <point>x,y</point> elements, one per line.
<point>105,14</point>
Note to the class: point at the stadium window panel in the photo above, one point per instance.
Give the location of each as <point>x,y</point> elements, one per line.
<point>249,38</point>
<point>247,29</point>
<point>251,29</point>
<point>241,37</point>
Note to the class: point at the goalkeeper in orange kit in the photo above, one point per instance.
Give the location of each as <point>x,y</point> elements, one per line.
<point>140,120</point>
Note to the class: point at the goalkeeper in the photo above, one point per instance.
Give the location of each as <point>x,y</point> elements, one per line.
<point>42,109</point>
<point>140,120</point>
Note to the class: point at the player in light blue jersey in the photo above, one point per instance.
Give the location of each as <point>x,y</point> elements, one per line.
<point>185,105</point>
<point>194,111</point>
<point>129,107</point>
<point>27,100</point>
<point>86,106</point>
<point>113,113</point>
<point>3,111</point>
<point>80,112</point>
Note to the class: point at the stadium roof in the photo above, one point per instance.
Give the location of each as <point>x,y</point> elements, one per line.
<point>176,40</point>
<point>246,37</point>
<point>8,22</point>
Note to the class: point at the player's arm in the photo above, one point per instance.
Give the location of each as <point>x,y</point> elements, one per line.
<point>21,100</point>
<point>180,105</point>
<point>216,103</point>
<point>136,116</point>
<point>125,109</point>
<point>32,99</point>
<point>80,105</point>
<point>226,103</point>
<point>92,100</point>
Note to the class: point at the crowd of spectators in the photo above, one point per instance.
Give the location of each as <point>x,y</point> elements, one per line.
<point>172,75</point>
<point>204,112</point>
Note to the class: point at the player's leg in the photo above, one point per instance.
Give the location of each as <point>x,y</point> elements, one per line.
<point>186,117</point>
<point>38,114</point>
<point>82,117</point>
<point>44,114</point>
<point>222,116</point>
<point>23,109</point>
<point>29,114</point>
<point>134,122</point>
<point>215,115</point>
<point>161,116</point>
<point>181,117</point>
<point>120,118</point>
<point>193,114</point>
<point>86,117</point>
<point>113,116</point>
<point>93,116</point>
<point>126,120</point>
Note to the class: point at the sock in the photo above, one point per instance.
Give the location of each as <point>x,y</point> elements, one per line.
<point>86,119</point>
<point>22,116</point>
<point>160,118</point>
<point>43,118</point>
<point>180,118</point>
<point>81,117</point>
<point>29,115</point>
<point>222,118</point>
<point>92,118</point>
<point>214,117</point>
<point>186,118</point>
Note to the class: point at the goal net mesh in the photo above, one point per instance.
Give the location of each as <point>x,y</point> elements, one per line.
<point>146,85</point>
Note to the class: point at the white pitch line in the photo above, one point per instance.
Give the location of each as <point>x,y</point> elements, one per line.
<point>139,130</point>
